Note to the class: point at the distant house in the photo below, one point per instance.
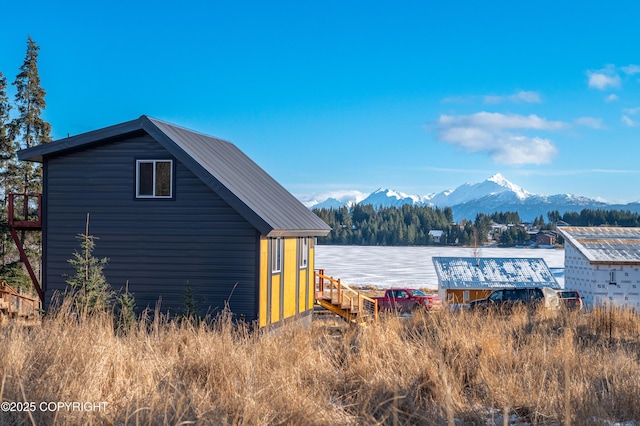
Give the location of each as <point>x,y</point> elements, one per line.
<point>437,235</point>
<point>603,264</point>
<point>545,238</point>
<point>172,207</point>
<point>463,279</point>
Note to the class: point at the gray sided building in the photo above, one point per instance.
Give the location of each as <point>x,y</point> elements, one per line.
<point>171,207</point>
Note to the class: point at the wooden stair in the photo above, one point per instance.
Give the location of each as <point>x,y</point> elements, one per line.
<point>16,305</point>
<point>349,304</point>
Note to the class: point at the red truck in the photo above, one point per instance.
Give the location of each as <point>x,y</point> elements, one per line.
<point>408,300</point>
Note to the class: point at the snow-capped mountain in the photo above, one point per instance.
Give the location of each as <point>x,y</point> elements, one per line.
<point>496,194</point>
<point>495,186</point>
<point>388,197</point>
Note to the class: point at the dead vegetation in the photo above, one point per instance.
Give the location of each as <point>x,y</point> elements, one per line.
<point>439,368</point>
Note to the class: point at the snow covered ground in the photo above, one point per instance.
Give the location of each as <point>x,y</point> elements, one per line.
<point>412,266</point>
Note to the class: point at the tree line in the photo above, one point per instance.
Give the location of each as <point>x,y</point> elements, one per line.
<point>411,225</point>
<point>597,217</point>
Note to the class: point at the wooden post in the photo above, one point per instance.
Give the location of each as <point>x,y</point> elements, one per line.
<point>331,289</point>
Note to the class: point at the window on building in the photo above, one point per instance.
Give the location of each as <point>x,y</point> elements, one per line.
<point>154,178</point>
<point>304,252</point>
<point>276,255</point>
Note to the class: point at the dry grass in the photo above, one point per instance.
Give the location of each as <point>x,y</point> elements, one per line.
<point>435,369</point>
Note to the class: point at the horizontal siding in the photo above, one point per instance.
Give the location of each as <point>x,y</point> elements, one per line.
<point>157,246</point>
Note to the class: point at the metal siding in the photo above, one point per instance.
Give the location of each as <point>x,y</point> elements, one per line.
<point>311,290</point>
<point>264,292</point>
<point>290,276</point>
<point>275,298</point>
<point>156,245</point>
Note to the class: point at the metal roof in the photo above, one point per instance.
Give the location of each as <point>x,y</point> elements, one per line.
<point>226,170</point>
<point>605,244</point>
<point>493,272</point>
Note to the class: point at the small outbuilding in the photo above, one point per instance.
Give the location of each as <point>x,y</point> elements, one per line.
<point>603,264</point>
<point>437,235</point>
<point>174,209</point>
<point>463,279</point>
<point>545,238</point>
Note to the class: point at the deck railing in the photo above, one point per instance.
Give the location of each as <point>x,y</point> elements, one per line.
<point>16,304</point>
<point>344,297</point>
<point>25,211</point>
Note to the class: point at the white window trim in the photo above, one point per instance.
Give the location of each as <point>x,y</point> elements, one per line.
<point>165,160</point>
<point>276,255</point>
<point>304,253</point>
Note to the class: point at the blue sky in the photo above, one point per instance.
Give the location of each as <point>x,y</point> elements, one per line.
<point>338,96</point>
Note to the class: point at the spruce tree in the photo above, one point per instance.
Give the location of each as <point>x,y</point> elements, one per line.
<point>125,306</point>
<point>7,165</point>
<point>28,128</point>
<point>7,147</point>
<point>90,291</point>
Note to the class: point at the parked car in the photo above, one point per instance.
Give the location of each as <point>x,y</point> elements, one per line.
<point>507,299</point>
<point>570,299</point>
<point>408,300</point>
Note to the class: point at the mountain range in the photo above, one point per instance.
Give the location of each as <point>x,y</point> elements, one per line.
<point>496,194</point>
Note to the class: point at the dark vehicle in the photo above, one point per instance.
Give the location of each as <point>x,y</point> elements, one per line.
<point>570,299</point>
<point>408,300</point>
<point>507,299</point>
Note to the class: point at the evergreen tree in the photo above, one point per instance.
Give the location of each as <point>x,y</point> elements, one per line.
<point>7,147</point>
<point>8,170</point>
<point>90,291</point>
<point>125,311</point>
<point>190,306</point>
<point>554,216</point>
<point>28,128</point>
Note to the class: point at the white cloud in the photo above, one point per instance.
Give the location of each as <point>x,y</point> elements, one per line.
<point>500,136</point>
<point>629,122</point>
<point>606,77</point>
<point>519,150</point>
<point>521,96</point>
<point>631,69</point>
<point>496,120</point>
<point>612,97</point>
<point>631,111</point>
<point>594,123</point>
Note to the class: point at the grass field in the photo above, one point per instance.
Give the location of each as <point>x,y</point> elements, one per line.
<point>443,368</point>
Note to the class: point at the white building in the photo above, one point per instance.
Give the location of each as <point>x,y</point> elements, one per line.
<point>603,264</point>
